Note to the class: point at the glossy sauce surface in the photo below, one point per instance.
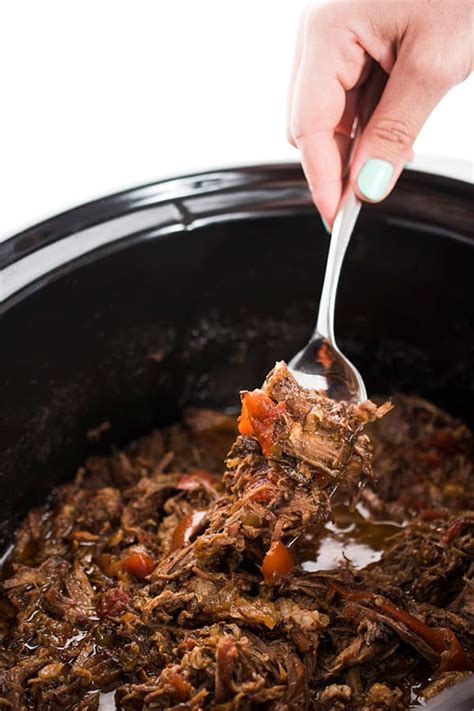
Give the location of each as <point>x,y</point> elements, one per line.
<point>350,537</point>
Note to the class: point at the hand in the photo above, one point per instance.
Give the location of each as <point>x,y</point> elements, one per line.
<point>387,62</point>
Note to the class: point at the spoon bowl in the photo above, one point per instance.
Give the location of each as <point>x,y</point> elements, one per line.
<point>320,365</point>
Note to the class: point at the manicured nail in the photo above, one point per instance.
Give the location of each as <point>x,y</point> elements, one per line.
<point>326,226</point>
<point>374,178</point>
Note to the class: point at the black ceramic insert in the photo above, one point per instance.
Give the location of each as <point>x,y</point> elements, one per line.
<point>190,289</point>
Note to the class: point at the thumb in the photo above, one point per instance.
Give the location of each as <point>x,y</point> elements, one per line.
<point>386,144</point>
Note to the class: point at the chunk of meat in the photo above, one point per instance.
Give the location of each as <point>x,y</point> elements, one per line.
<point>325,434</point>
<point>113,602</point>
<point>335,697</point>
<point>381,697</point>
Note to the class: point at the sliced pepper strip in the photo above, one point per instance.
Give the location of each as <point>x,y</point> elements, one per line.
<point>186,528</point>
<point>441,639</point>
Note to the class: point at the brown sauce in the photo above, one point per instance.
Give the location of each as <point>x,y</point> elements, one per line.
<point>350,538</point>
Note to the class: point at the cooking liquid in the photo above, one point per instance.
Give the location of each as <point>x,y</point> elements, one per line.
<point>351,537</point>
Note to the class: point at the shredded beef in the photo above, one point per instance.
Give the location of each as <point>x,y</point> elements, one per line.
<point>165,584</point>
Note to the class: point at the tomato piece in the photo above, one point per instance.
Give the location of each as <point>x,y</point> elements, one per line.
<point>261,488</point>
<point>187,644</point>
<point>195,479</point>
<point>455,529</point>
<point>278,560</point>
<point>186,528</point>
<point>226,654</point>
<point>139,564</point>
<point>113,602</point>
<point>263,496</point>
<point>174,683</point>
<point>244,422</point>
<point>258,417</point>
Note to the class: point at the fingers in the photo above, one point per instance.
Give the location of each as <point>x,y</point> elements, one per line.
<point>410,95</point>
<point>294,73</point>
<point>338,45</point>
<point>326,72</point>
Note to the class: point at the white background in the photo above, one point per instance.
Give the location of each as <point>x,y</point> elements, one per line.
<point>100,95</point>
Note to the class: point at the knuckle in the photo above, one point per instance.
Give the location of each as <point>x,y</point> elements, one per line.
<point>318,14</point>
<point>300,126</point>
<point>301,134</point>
<point>397,133</point>
<point>434,70</point>
<point>290,137</point>
<point>296,133</point>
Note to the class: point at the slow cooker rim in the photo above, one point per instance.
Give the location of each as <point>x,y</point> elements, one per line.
<point>42,233</point>
<point>268,181</point>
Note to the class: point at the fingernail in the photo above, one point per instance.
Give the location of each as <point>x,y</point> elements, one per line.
<point>326,226</point>
<point>374,178</point>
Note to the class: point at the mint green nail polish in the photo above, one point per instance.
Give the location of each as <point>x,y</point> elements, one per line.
<point>326,226</point>
<point>374,178</point>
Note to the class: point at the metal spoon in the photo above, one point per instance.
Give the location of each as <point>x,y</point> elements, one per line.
<point>321,365</point>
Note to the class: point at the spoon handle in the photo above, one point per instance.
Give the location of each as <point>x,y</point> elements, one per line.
<point>341,233</point>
